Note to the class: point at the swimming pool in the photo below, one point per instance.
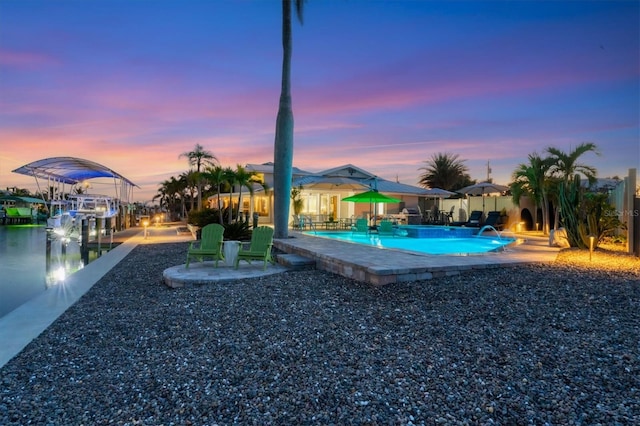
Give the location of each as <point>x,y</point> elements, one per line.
<point>458,246</point>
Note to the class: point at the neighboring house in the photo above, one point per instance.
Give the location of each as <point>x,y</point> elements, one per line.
<point>322,193</point>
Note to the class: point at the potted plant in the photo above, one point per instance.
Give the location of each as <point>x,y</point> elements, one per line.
<point>298,202</point>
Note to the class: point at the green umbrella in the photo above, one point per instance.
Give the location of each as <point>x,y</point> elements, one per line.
<point>372,196</point>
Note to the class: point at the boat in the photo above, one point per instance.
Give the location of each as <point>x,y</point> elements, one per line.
<point>67,210</point>
<point>66,216</point>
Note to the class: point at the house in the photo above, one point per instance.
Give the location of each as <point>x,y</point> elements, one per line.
<point>322,194</point>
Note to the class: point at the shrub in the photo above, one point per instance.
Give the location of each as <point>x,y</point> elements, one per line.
<point>203,217</point>
<point>599,218</point>
<point>238,231</point>
<point>586,214</point>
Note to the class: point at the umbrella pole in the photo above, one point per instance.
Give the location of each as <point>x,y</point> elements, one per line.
<point>374,214</point>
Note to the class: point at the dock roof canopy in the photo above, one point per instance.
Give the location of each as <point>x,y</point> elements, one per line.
<point>69,170</point>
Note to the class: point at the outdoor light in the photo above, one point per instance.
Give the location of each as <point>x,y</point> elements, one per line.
<point>591,239</point>
<point>59,275</point>
<point>145,223</point>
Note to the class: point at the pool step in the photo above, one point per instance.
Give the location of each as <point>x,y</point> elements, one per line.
<point>296,261</point>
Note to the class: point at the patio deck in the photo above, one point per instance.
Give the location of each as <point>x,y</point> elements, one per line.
<point>377,267</point>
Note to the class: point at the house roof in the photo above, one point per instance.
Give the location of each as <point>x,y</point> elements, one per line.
<point>389,186</point>
<point>27,200</point>
<point>350,172</point>
<point>268,168</point>
<point>347,170</point>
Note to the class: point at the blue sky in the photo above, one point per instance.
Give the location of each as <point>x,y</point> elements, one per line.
<point>382,85</point>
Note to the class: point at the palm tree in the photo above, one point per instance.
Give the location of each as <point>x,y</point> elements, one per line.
<point>191,179</point>
<point>199,157</point>
<point>531,180</point>
<point>283,146</point>
<point>169,193</point>
<point>217,178</point>
<point>244,179</point>
<point>446,171</point>
<point>565,166</point>
<point>230,178</point>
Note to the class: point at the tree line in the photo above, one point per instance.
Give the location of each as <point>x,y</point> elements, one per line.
<point>552,181</point>
<point>206,177</point>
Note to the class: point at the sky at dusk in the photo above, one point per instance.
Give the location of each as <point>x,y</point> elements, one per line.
<point>383,85</point>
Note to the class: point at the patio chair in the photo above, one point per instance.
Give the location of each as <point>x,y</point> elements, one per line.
<point>434,215</point>
<point>386,228</point>
<point>361,226</point>
<point>259,247</point>
<point>448,217</point>
<point>308,222</point>
<point>209,245</point>
<point>298,222</point>
<point>474,220</point>
<point>493,219</point>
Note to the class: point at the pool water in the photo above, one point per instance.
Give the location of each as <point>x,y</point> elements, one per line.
<point>447,246</point>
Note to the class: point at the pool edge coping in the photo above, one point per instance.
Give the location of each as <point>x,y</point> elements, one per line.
<point>364,263</point>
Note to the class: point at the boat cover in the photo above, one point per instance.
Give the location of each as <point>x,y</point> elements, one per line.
<point>69,170</point>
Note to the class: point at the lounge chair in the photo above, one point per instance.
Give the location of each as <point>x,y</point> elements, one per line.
<point>493,219</point>
<point>361,226</point>
<point>259,247</point>
<point>474,220</point>
<point>209,245</point>
<point>385,227</point>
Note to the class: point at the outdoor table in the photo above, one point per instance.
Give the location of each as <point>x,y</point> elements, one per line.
<point>331,224</point>
<point>346,223</point>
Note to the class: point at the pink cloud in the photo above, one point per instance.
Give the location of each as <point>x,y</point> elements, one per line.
<point>24,60</point>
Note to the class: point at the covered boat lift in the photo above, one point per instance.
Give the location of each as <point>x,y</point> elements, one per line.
<point>61,171</point>
<point>72,171</point>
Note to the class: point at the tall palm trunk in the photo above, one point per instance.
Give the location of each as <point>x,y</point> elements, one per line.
<point>220,206</point>
<point>230,215</point>
<point>545,214</point>
<point>283,147</point>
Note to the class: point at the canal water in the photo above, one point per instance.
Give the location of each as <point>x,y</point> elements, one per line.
<point>28,267</point>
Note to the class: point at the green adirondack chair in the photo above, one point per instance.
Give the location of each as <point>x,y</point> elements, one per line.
<point>361,226</point>
<point>209,245</point>
<point>386,228</point>
<point>259,247</point>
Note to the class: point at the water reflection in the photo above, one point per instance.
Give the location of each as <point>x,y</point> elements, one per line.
<point>63,257</point>
<point>30,263</point>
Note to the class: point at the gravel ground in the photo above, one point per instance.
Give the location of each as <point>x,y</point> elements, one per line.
<point>549,344</point>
